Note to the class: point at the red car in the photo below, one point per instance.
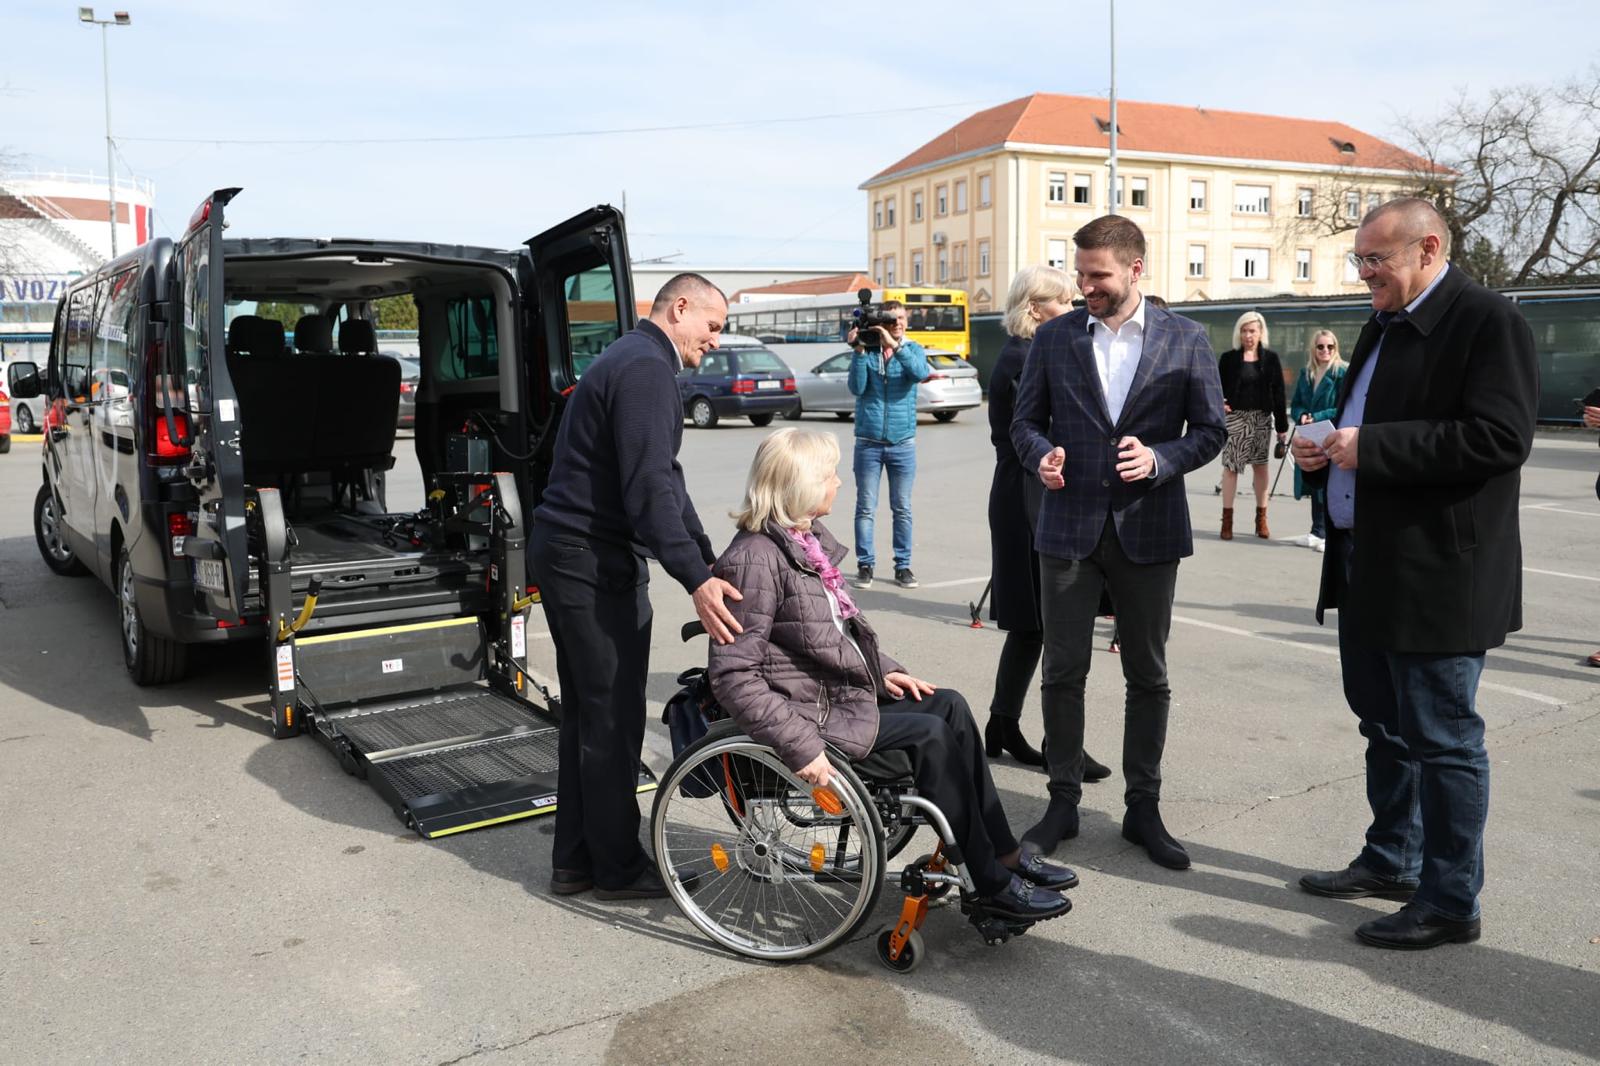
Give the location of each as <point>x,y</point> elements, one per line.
<point>5,422</point>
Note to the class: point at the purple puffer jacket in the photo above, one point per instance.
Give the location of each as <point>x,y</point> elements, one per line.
<point>791,680</point>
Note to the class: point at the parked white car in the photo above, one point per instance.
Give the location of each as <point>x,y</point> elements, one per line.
<point>952,388</point>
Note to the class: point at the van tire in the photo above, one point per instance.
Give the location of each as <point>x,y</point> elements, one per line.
<point>51,537</point>
<point>150,659</point>
<point>701,413</point>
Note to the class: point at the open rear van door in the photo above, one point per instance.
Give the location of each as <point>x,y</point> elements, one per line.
<point>218,551</point>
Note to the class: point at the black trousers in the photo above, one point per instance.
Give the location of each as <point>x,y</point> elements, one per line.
<point>1019,657</point>
<point>1143,594</point>
<point>950,770</point>
<point>596,601</point>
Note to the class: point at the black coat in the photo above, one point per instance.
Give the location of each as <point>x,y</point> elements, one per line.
<point>1271,369</point>
<point>1014,597</point>
<point>1449,422</point>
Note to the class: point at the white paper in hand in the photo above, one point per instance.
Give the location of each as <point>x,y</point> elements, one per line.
<point>1315,432</point>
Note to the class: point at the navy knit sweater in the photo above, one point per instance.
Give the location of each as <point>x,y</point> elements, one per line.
<point>615,476</point>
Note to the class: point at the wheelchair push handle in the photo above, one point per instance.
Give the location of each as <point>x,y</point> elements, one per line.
<point>693,629</point>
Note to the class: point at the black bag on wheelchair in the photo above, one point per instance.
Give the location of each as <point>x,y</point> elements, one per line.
<point>687,716</point>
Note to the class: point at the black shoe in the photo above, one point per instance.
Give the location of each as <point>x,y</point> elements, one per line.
<point>1143,826</point>
<point>570,882</point>
<point>1413,928</point>
<point>1093,769</point>
<point>1023,902</point>
<point>863,577</point>
<point>648,885</point>
<point>1060,822</point>
<point>1358,882</point>
<point>905,578</point>
<point>1004,734</point>
<point>1040,871</point>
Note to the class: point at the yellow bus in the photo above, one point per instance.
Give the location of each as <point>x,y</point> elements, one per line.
<point>799,327</point>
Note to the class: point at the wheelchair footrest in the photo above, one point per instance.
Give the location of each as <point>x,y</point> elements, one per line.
<point>996,930</point>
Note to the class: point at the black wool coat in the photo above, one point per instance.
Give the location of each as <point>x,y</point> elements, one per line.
<point>1014,597</point>
<point>1449,422</point>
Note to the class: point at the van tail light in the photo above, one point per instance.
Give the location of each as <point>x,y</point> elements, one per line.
<point>744,385</point>
<point>180,524</point>
<point>788,384</point>
<point>167,450</point>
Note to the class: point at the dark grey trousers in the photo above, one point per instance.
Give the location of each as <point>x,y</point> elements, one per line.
<point>1070,599</point>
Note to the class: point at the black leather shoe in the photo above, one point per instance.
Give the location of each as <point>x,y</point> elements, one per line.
<point>1005,734</point>
<point>1414,927</point>
<point>1142,825</point>
<point>570,882</point>
<point>1044,873</point>
<point>1024,902</point>
<point>1094,770</point>
<point>1060,822</point>
<point>1357,882</point>
<point>648,885</point>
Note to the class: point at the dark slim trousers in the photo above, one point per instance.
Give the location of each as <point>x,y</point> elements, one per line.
<point>1427,767</point>
<point>950,770</point>
<point>1019,657</point>
<point>1070,599</point>
<point>596,601</point>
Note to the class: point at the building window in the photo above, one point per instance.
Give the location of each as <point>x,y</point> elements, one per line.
<point>888,212</point>
<point>877,214</point>
<point>944,266</point>
<point>1197,195</point>
<point>1058,188</point>
<point>1302,264</point>
<point>983,259</point>
<point>1080,189</point>
<point>916,207</point>
<point>1352,206</point>
<point>1373,200</point>
<point>1302,202</point>
<point>1056,255</point>
<point>985,190</point>
<point>941,201</point>
<point>1121,182</point>
<point>961,196</point>
<point>916,268</point>
<point>888,270</point>
<point>1247,200</point>
<point>958,261</point>
<point>877,271</point>
<point>1197,260</point>
<point>1139,192</point>
<point>1252,264</point>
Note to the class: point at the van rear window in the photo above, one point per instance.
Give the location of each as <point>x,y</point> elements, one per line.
<point>472,348</point>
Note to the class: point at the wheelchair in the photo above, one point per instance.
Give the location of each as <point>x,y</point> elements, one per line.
<point>773,868</point>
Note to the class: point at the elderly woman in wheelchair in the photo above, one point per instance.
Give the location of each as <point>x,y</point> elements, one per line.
<point>773,830</point>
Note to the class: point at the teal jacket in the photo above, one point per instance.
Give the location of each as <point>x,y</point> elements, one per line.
<point>886,393</point>
<point>1320,402</point>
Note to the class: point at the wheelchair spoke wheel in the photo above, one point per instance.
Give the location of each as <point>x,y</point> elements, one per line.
<point>757,859</point>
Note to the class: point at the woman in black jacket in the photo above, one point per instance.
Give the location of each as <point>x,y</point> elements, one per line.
<point>1253,397</point>
<point>1038,294</point>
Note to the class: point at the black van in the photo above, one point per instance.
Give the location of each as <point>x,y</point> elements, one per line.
<point>226,478</point>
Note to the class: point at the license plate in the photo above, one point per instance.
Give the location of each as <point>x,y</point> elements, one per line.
<point>769,384</point>
<point>209,575</point>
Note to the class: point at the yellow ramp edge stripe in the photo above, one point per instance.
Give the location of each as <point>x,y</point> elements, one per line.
<point>546,809</point>
<point>383,631</point>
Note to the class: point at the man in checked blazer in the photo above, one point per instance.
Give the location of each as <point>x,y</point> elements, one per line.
<point>1117,401</point>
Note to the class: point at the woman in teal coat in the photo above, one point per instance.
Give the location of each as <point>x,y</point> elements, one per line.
<point>1316,395</point>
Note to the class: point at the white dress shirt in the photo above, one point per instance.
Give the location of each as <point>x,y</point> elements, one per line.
<point>1116,357</point>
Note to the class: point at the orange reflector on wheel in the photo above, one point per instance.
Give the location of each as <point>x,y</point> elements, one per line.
<point>828,800</point>
<point>819,855</point>
<point>719,856</point>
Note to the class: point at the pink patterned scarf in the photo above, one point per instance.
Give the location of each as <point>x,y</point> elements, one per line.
<point>832,580</point>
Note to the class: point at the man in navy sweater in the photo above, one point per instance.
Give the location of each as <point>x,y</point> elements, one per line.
<point>616,492</point>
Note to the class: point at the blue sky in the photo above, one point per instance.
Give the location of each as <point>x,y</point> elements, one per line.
<point>761,191</point>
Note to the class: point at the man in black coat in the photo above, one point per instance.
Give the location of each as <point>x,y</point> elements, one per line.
<point>1424,563</point>
<point>616,491</point>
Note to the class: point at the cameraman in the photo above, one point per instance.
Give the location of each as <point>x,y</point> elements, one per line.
<point>884,374</point>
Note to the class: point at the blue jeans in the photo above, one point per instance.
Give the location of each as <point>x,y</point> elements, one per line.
<point>871,459</point>
<point>1319,513</point>
<point>1427,769</point>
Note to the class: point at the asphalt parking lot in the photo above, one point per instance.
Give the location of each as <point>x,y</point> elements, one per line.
<point>184,889</point>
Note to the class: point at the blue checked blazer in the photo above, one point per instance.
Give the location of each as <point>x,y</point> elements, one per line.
<point>1174,407</point>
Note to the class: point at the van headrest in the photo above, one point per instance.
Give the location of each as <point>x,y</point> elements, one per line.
<point>356,336</point>
<point>256,335</point>
<point>314,333</point>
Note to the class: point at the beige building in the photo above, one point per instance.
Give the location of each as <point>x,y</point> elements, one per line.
<point>1232,204</point>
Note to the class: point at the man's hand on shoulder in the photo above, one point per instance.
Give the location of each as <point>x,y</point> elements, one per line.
<point>714,614</point>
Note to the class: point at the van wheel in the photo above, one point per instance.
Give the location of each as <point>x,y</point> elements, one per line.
<point>24,420</point>
<point>702,414</point>
<point>761,420</point>
<point>945,416</point>
<point>151,659</point>
<point>58,554</point>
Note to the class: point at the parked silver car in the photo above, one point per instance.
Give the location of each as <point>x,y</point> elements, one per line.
<point>952,388</point>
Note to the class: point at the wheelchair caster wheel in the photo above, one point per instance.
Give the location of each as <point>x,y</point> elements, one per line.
<point>934,892</point>
<point>910,954</point>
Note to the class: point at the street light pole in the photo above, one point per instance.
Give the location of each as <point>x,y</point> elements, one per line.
<point>118,18</point>
<point>1113,160</point>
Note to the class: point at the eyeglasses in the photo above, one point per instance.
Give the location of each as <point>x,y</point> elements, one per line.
<point>1327,347</point>
<point>1373,262</point>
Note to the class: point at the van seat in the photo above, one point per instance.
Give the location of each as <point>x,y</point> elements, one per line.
<point>357,337</point>
<point>256,335</point>
<point>313,333</point>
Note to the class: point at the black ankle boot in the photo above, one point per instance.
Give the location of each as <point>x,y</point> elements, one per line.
<point>1006,734</point>
<point>1142,825</point>
<point>1093,769</point>
<point>1060,822</point>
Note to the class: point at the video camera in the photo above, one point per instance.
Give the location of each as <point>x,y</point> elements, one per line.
<point>866,317</point>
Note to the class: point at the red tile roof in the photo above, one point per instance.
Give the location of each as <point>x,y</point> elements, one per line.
<point>823,286</point>
<point>1167,129</point>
